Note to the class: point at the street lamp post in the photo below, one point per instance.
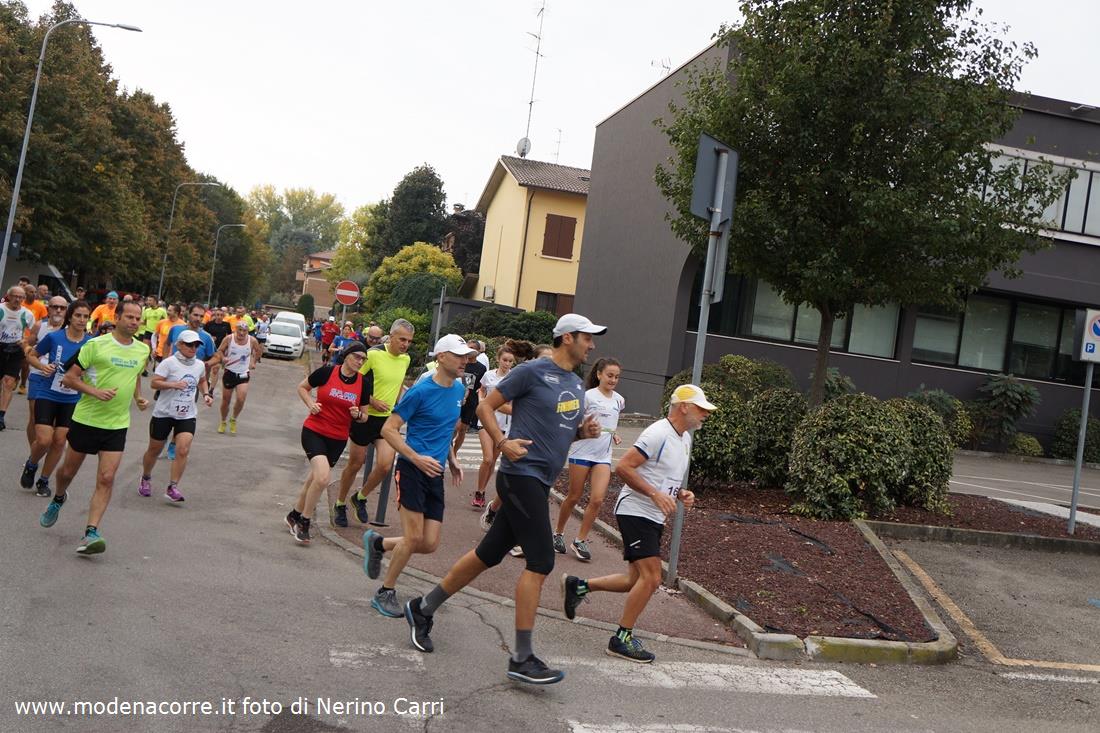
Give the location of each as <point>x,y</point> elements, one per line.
<point>214,259</point>
<point>27,132</point>
<point>168,235</point>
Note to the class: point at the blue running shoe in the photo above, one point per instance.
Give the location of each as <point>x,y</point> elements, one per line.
<point>92,544</point>
<point>172,451</point>
<point>372,557</point>
<point>49,517</point>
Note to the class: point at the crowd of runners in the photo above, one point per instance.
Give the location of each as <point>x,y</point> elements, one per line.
<point>531,411</point>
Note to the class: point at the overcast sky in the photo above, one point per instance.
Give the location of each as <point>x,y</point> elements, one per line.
<point>346,96</point>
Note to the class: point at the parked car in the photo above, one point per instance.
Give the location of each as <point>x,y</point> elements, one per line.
<point>285,339</point>
<point>292,317</point>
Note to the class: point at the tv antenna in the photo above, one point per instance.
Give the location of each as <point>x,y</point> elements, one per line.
<point>523,147</point>
<point>664,64</point>
<point>557,152</point>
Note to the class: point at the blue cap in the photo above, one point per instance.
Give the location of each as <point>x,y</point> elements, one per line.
<point>112,294</point>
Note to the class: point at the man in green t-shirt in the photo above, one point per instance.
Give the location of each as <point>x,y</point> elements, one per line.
<point>107,373</point>
<point>150,317</point>
<point>387,368</point>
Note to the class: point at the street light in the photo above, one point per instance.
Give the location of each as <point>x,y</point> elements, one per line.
<point>214,260</point>
<point>27,132</point>
<point>168,235</point>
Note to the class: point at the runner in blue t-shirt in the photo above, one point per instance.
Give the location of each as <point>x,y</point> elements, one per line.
<point>431,409</point>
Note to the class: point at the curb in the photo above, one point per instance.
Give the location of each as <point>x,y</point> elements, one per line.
<point>788,647</point>
<point>983,538</point>
<point>1024,459</point>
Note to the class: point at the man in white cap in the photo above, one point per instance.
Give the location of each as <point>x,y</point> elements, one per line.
<point>430,409</point>
<point>547,416</point>
<point>179,378</point>
<point>652,470</point>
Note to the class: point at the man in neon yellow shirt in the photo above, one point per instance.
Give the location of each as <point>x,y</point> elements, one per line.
<point>387,368</point>
<point>107,373</point>
<point>150,317</point>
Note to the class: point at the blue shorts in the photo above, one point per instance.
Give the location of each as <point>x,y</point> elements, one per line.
<point>417,491</point>
<point>587,463</point>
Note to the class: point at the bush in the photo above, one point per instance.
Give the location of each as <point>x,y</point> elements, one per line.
<point>418,291</point>
<point>983,433</point>
<point>1025,445</point>
<point>534,326</point>
<point>846,457</point>
<point>836,384</point>
<point>305,306</point>
<point>955,416</point>
<point>723,447</point>
<point>928,470</point>
<point>744,376</point>
<point>1065,437</point>
<point>1008,401</point>
<point>774,414</point>
<point>421,322</point>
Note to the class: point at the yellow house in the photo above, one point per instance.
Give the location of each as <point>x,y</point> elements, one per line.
<point>534,217</point>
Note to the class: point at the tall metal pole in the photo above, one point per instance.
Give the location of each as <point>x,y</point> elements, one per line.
<point>168,234</point>
<point>27,132</point>
<point>700,340</point>
<point>1080,448</point>
<point>439,313</point>
<point>214,261</point>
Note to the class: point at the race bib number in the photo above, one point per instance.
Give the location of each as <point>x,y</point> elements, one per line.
<point>57,386</point>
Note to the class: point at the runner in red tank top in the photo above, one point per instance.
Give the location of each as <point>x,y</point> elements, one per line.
<point>325,432</point>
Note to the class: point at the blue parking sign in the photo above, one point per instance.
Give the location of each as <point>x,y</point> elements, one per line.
<point>1090,348</point>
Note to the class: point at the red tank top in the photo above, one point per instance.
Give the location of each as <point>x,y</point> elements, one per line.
<point>336,397</point>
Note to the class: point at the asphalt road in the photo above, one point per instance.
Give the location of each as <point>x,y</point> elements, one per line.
<point>212,599</point>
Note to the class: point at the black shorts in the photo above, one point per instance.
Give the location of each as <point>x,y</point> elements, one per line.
<point>91,440</point>
<point>641,537</point>
<point>11,360</point>
<point>524,520</point>
<point>146,337</point>
<point>418,492</point>
<point>365,433</point>
<point>232,379</point>
<point>54,414</point>
<point>161,427</point>
<point>316,444</point>
<point>469,417</point>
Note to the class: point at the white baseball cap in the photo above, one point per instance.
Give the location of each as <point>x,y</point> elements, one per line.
<point>187,336</point>
<point>332,318</point>
<point>453,343</point>
<point>573,322</point>
<point>692,395</point>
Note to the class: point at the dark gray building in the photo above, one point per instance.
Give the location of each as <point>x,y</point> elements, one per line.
<point>640,281</point>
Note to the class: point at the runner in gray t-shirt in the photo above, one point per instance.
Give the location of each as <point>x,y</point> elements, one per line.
<point>547,416</point>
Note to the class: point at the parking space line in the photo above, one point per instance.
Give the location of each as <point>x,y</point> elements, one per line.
<point>1015,493</point>
<point>980,640</point>
<point>1091,491</point>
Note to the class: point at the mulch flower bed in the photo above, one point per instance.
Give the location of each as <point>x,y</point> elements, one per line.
<point>801,576</point>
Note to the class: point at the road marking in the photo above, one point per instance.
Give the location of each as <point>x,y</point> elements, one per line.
<point>1054,510</point>
<point>1050,677</point>
<point>358,656</point>
<point>1006,491</point>
<point>1029,483</point>
<point>726,677</point>
<point>577,727</point>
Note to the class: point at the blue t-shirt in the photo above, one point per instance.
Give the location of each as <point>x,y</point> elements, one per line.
<point>339,343</point>
<point>204,352</point>
<point>431,411</point>
<point>55,348</point>
<point>317,330</point>
<point>547,408</point>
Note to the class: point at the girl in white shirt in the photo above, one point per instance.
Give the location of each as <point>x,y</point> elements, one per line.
<point>590,460</point>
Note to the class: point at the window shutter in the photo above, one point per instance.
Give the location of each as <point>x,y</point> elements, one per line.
<point>565,304</point>
<point>551,235</point>
<point>567,229</point>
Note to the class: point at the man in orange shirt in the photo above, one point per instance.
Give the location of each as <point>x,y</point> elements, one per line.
<point>104,313</point>
<point>160,343</point>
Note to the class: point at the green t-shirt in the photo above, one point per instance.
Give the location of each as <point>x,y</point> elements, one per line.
<point>389,374</point>
<point>150,317</point>
<point>107,364</point>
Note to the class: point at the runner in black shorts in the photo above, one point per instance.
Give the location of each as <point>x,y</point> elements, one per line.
<point>547,416</point>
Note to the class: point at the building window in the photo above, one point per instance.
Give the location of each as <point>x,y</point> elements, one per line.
<point>807,327</point>
<point>1076,210</point>
<point>768,316</point>
<point>556,303</point>
<point>936,338</point>
<point>874,330</point>
<point>984,333</point>
<point>1034,340</point>
<point>557,240</point>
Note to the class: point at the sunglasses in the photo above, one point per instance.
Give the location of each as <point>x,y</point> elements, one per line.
<point>59,307</point>
<point>192,344</point>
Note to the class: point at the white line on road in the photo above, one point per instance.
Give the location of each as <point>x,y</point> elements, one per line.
<point>1084,489</point>
<point>1040,677</point>
<point>577,727</point>
<point>1014,493</point>
<point>726,677</point>
<point>1054,511</point>
<point>358,656</point>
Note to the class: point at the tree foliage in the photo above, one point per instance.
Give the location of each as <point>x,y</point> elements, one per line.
<point>414,259</point>
<point>468,229</point>
<point>415,212</point>
<point>862,129</point>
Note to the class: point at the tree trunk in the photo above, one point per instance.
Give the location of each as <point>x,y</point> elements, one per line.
<point>821,362</point>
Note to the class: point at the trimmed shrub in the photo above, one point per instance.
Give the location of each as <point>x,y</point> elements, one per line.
<point>723,447</point>
<point>928,470</point>
<point>740,374</point>
<point>534,326</point>
<point>846,457</point>
<point>983,431</point>
<point>955,416</point>
<point>774,415</point>
<point>1065,437</point>
<point>1008,400</point>
<point>305,306</point>
<point>1025,445</point>
<point>712,374</point>
<point>837,384</point>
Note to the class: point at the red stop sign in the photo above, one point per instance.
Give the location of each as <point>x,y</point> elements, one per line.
<point>347,292</point>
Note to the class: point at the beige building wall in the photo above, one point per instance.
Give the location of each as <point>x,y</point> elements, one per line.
<point>541,272</point>
<point>500,247</point>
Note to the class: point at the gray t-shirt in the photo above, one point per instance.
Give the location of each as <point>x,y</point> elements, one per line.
<point>547,408</point>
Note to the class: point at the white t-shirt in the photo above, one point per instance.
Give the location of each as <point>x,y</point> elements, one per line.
<point>484,360</point>
<point>13,323</point>
<point>178,403</point>
<point>666,453</point>
<point>44,327</point>
<point>606,410</point>
<point>238,357</point>
<point>489,383</point>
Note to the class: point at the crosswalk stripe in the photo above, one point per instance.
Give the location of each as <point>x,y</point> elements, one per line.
<point>358,656</point>
<point>727,677</point>
<point>1050,678</point>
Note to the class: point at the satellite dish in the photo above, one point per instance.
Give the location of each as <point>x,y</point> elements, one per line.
<point>523,147</point>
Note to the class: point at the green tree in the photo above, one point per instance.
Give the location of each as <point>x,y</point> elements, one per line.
<point>305,306</point>
<point>861,128</point>
<point>418,291</point>
<point>468,228</point>
<point>412,260</point>
<point>347,264</point>
<point>415,212</point>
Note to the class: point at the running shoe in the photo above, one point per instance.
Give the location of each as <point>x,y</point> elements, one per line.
<point>232,426</point>
<point>479,499</point>
<point>385,602</point>
<point>580,549</point>
<point>29,471</point>
<point>559,544</point>
<point>221,426</point>
<point>145,488</point>
<point>630,649</point>
<point>92,544</point>
<point>49,517</point>
<point>301,531</point>
<point>22,389</point>
<point>516,551</point>
<point>172,451</point>
<point>340,515</point>
<point>173,493</point>
<point>292,520</point>
<point>486,519</point>
<point>533,671</point>
<point>372,557</point>
<point>360,507</point>
<point>569,596</point>
<point>42,487</point>
<point>420,626</point>
<point>2,425</point>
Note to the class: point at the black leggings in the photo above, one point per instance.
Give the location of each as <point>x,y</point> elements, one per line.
<point>524,520</point>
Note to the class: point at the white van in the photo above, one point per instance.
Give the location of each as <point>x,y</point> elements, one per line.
<point>292,317</point>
